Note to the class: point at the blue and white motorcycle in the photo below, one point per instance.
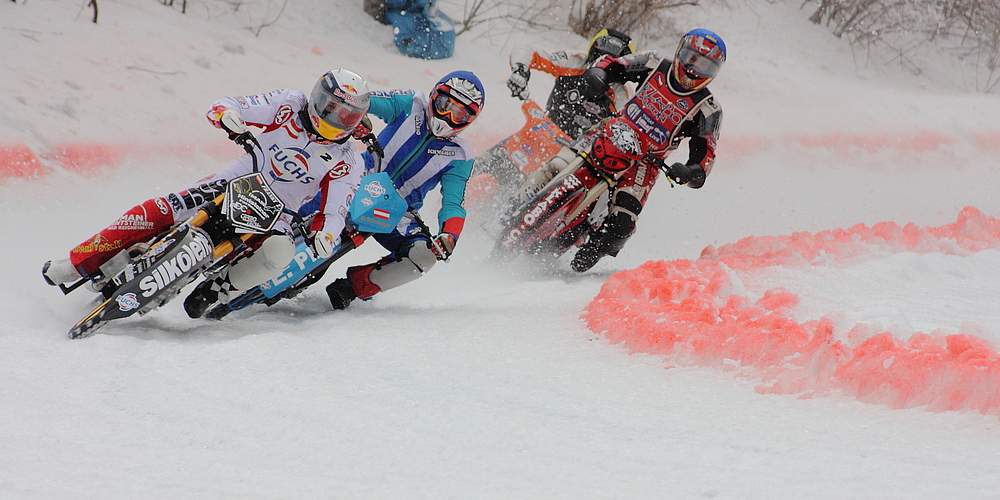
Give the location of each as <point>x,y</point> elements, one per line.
<point>376,208</point>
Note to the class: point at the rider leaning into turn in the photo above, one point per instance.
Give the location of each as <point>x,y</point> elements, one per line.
<point>568,107</point>
<point>304,154</point>
<point>422,150</point>
<point>673,103</point>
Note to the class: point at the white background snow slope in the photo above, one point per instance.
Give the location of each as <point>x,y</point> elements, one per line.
<point>473,382</point>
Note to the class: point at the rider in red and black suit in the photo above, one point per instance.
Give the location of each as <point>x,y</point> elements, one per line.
<point>673,103</point>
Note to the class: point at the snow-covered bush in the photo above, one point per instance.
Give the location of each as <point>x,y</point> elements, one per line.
<point>900,31</point>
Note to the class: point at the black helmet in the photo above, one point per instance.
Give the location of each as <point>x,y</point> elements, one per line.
<point>609,42</point>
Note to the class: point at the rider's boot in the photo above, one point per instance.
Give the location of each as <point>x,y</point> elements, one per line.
<point>57,272</point>
<point>341,293</point>
<point>599,245</point>
<point>204,296</point>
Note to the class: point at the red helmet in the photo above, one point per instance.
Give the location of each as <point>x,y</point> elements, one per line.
<point>698,59</point>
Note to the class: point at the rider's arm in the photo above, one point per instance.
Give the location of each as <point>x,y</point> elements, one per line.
<point>554,63</point>
<point>335,190</point>
<point>388,105</point>
<point>703,131</point>
<point>451,217</point>
<point>269,111</point>
<point>631,68</point>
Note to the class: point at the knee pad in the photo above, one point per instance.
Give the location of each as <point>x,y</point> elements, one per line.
<point>265,263</point>
<point>619,224</point>
<point>418,260</point>
<point>628,201</point>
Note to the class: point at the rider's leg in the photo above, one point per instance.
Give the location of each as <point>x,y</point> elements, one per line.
<point>266,262</point>
<point>411,259</point>
<point>625,205</point>
<point>139,224</point>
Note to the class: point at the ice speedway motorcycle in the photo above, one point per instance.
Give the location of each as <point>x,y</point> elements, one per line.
<point>377,208</point>
<point>147,276</point>
<point>566,210</point>
<point>500,169</point>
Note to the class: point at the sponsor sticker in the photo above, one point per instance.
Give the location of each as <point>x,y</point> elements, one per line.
<point>375,189</point>
<point>127,302</point>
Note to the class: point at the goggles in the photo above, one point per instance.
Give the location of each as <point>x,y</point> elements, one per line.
<point>611,46</point>
<point>697,64</point>
<point>453,111</point>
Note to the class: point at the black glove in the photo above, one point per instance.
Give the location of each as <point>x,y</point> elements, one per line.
<point>443,245</point>
<point>683,174</point>
<point>595,86</point>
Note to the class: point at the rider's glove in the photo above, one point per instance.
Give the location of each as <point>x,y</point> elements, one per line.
<point>683,174</point>
<point>442,245</point>
<point>322,244</point>
<point>232,122</point>
<point>364,128</point>
<point>518,82</point>
<point>363,133</point>
<point>595,86</point>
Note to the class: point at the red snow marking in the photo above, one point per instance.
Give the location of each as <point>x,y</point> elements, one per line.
<point>848,143</point>
<point>16,160</point>
<point>988,141</point>
<point>89,158</point>
<point>684,310</point>
<point>919,142</point>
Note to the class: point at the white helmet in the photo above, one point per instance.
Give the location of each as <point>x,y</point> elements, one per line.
<point>338,102</point>
<point>454,103</point>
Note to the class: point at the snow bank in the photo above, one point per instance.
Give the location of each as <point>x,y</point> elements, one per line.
<point>693,313</point>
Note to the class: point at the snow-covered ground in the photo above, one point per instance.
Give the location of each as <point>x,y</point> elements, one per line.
<point>478,382</point>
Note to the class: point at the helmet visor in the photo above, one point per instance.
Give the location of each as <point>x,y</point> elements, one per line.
<point>335,113</point>
<point>611,46</point>
<point>697,64</point>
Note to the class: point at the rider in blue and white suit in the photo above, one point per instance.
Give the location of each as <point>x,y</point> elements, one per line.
<point>422,151</point>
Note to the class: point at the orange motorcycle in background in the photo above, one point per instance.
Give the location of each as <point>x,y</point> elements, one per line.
<point>500,170</point>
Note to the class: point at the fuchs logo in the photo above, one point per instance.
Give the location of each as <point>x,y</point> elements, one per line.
<point>283,114</point>
<point>127,302</point>
<point>367,202</point>
<point>188,255</point>
<point>375,189</point>
<point>289,165</point>
<point>536,113</point>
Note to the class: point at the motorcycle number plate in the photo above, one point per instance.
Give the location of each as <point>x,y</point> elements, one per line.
<point>251,205</point>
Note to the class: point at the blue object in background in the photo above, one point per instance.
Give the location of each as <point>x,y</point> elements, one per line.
<point>420,30</point>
